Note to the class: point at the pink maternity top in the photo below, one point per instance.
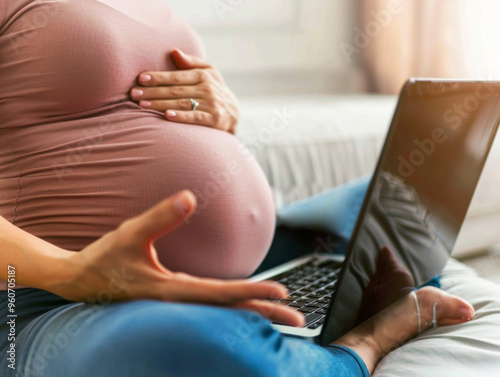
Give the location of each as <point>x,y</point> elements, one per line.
<point>77,156</point>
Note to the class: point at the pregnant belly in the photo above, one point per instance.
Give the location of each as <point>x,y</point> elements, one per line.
<point>87,181</point>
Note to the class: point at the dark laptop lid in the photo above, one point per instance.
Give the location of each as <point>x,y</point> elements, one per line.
<point>433,156</point>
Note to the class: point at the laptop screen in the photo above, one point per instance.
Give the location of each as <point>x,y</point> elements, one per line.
<point>434,153</point>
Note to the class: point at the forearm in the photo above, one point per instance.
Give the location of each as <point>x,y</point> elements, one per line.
<point>37,263</point>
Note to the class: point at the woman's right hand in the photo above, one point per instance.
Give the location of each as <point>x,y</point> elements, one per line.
<point>123,265</point>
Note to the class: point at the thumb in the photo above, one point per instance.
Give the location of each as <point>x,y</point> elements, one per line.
<point>185,61</point>
<point>163,217</point>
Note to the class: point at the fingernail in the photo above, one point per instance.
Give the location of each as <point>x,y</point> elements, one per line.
<point>137,93</point>
<point>464,314</point>
<point>171,114</point>
<point>145,103</point>
<point>280,293</point>
<point>285,291</point>
<point>144,78</point>
<point>302,321</point>
<point>182,204</point>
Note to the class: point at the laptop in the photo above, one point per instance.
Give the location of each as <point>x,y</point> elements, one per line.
<point>433,156</point>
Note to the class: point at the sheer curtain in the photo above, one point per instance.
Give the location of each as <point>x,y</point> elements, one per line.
<point>428,38</point>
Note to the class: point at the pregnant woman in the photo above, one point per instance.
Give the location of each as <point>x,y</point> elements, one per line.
<point>114,131</point>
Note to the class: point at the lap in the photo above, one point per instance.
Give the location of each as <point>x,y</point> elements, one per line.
<point>143,338</point>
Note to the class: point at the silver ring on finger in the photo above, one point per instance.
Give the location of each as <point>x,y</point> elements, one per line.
<point>194,104</point>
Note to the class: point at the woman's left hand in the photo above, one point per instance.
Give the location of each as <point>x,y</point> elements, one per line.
<point>170,92</point>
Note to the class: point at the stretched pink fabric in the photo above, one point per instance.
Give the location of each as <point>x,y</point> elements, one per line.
<point>77,157</point>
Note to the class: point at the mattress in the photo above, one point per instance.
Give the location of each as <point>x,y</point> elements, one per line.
<point>308,144</point>
<point>468,349</point>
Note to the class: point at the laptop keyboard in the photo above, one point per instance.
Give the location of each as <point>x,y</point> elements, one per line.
<point>310,287</point>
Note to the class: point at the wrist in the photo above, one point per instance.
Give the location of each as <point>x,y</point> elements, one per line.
<point>62,272</point>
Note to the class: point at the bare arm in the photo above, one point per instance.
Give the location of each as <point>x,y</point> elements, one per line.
<point>37,263</point>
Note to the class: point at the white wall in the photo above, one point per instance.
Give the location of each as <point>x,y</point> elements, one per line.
<point>292,46</point>
<point>477,36</point>
<point>276,46</point>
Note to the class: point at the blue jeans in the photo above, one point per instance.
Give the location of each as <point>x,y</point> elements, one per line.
<point>150,338</point>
